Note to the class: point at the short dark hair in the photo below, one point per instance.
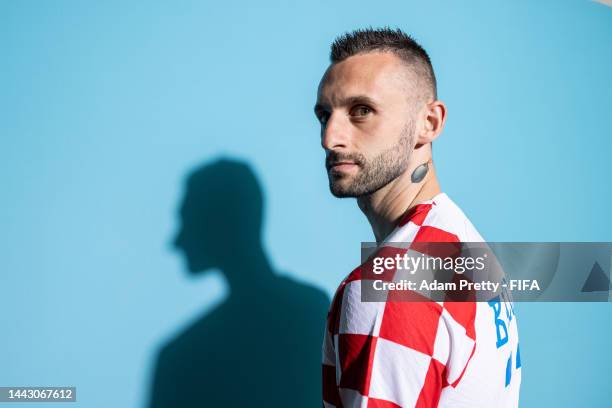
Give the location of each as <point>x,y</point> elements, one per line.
<point>386,39</point>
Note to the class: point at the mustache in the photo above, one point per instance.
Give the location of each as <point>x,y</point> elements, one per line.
<point>333,158</point>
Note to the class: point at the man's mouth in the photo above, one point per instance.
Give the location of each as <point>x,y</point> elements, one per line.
<point>341,166</point>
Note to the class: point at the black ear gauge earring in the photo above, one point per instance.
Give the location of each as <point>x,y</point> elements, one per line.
<point>419,173</point>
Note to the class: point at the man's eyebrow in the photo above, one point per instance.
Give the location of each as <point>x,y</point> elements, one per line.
<point>358,100</point>
<point>348,101</point>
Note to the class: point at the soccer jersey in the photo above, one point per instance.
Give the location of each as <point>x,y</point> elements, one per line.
<point>421,354</point>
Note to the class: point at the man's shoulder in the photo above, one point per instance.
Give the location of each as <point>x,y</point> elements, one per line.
<point>447,216</point>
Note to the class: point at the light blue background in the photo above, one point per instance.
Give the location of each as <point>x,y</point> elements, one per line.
<point>104,108</point>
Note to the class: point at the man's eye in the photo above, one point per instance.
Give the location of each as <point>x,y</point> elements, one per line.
<point>360,110</point>
<point>323,117</point>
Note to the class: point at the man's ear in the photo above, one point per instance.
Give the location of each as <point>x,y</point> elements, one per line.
<point>433,119</point>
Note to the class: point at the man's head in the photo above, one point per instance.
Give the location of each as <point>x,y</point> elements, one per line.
<point>376,102</point>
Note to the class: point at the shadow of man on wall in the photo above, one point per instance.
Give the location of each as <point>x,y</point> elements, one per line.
<point>261,347</point>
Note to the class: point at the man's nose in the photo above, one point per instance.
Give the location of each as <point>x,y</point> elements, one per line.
<point>334,135</point>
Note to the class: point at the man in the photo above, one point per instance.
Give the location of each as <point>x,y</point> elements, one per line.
<point>379,113</point>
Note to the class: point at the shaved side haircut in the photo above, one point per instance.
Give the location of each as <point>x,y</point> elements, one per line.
<point>388,40</point>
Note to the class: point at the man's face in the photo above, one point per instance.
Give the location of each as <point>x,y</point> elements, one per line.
<point>366,108</point>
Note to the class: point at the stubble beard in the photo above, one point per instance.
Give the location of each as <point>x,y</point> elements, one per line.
<point>373,173</point>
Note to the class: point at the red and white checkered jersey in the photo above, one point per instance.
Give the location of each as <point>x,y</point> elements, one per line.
<point>421,354</point>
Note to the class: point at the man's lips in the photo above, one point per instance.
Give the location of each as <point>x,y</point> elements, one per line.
<point>342,166</point>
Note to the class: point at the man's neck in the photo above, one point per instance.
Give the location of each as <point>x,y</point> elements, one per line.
<point>385,207</point>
